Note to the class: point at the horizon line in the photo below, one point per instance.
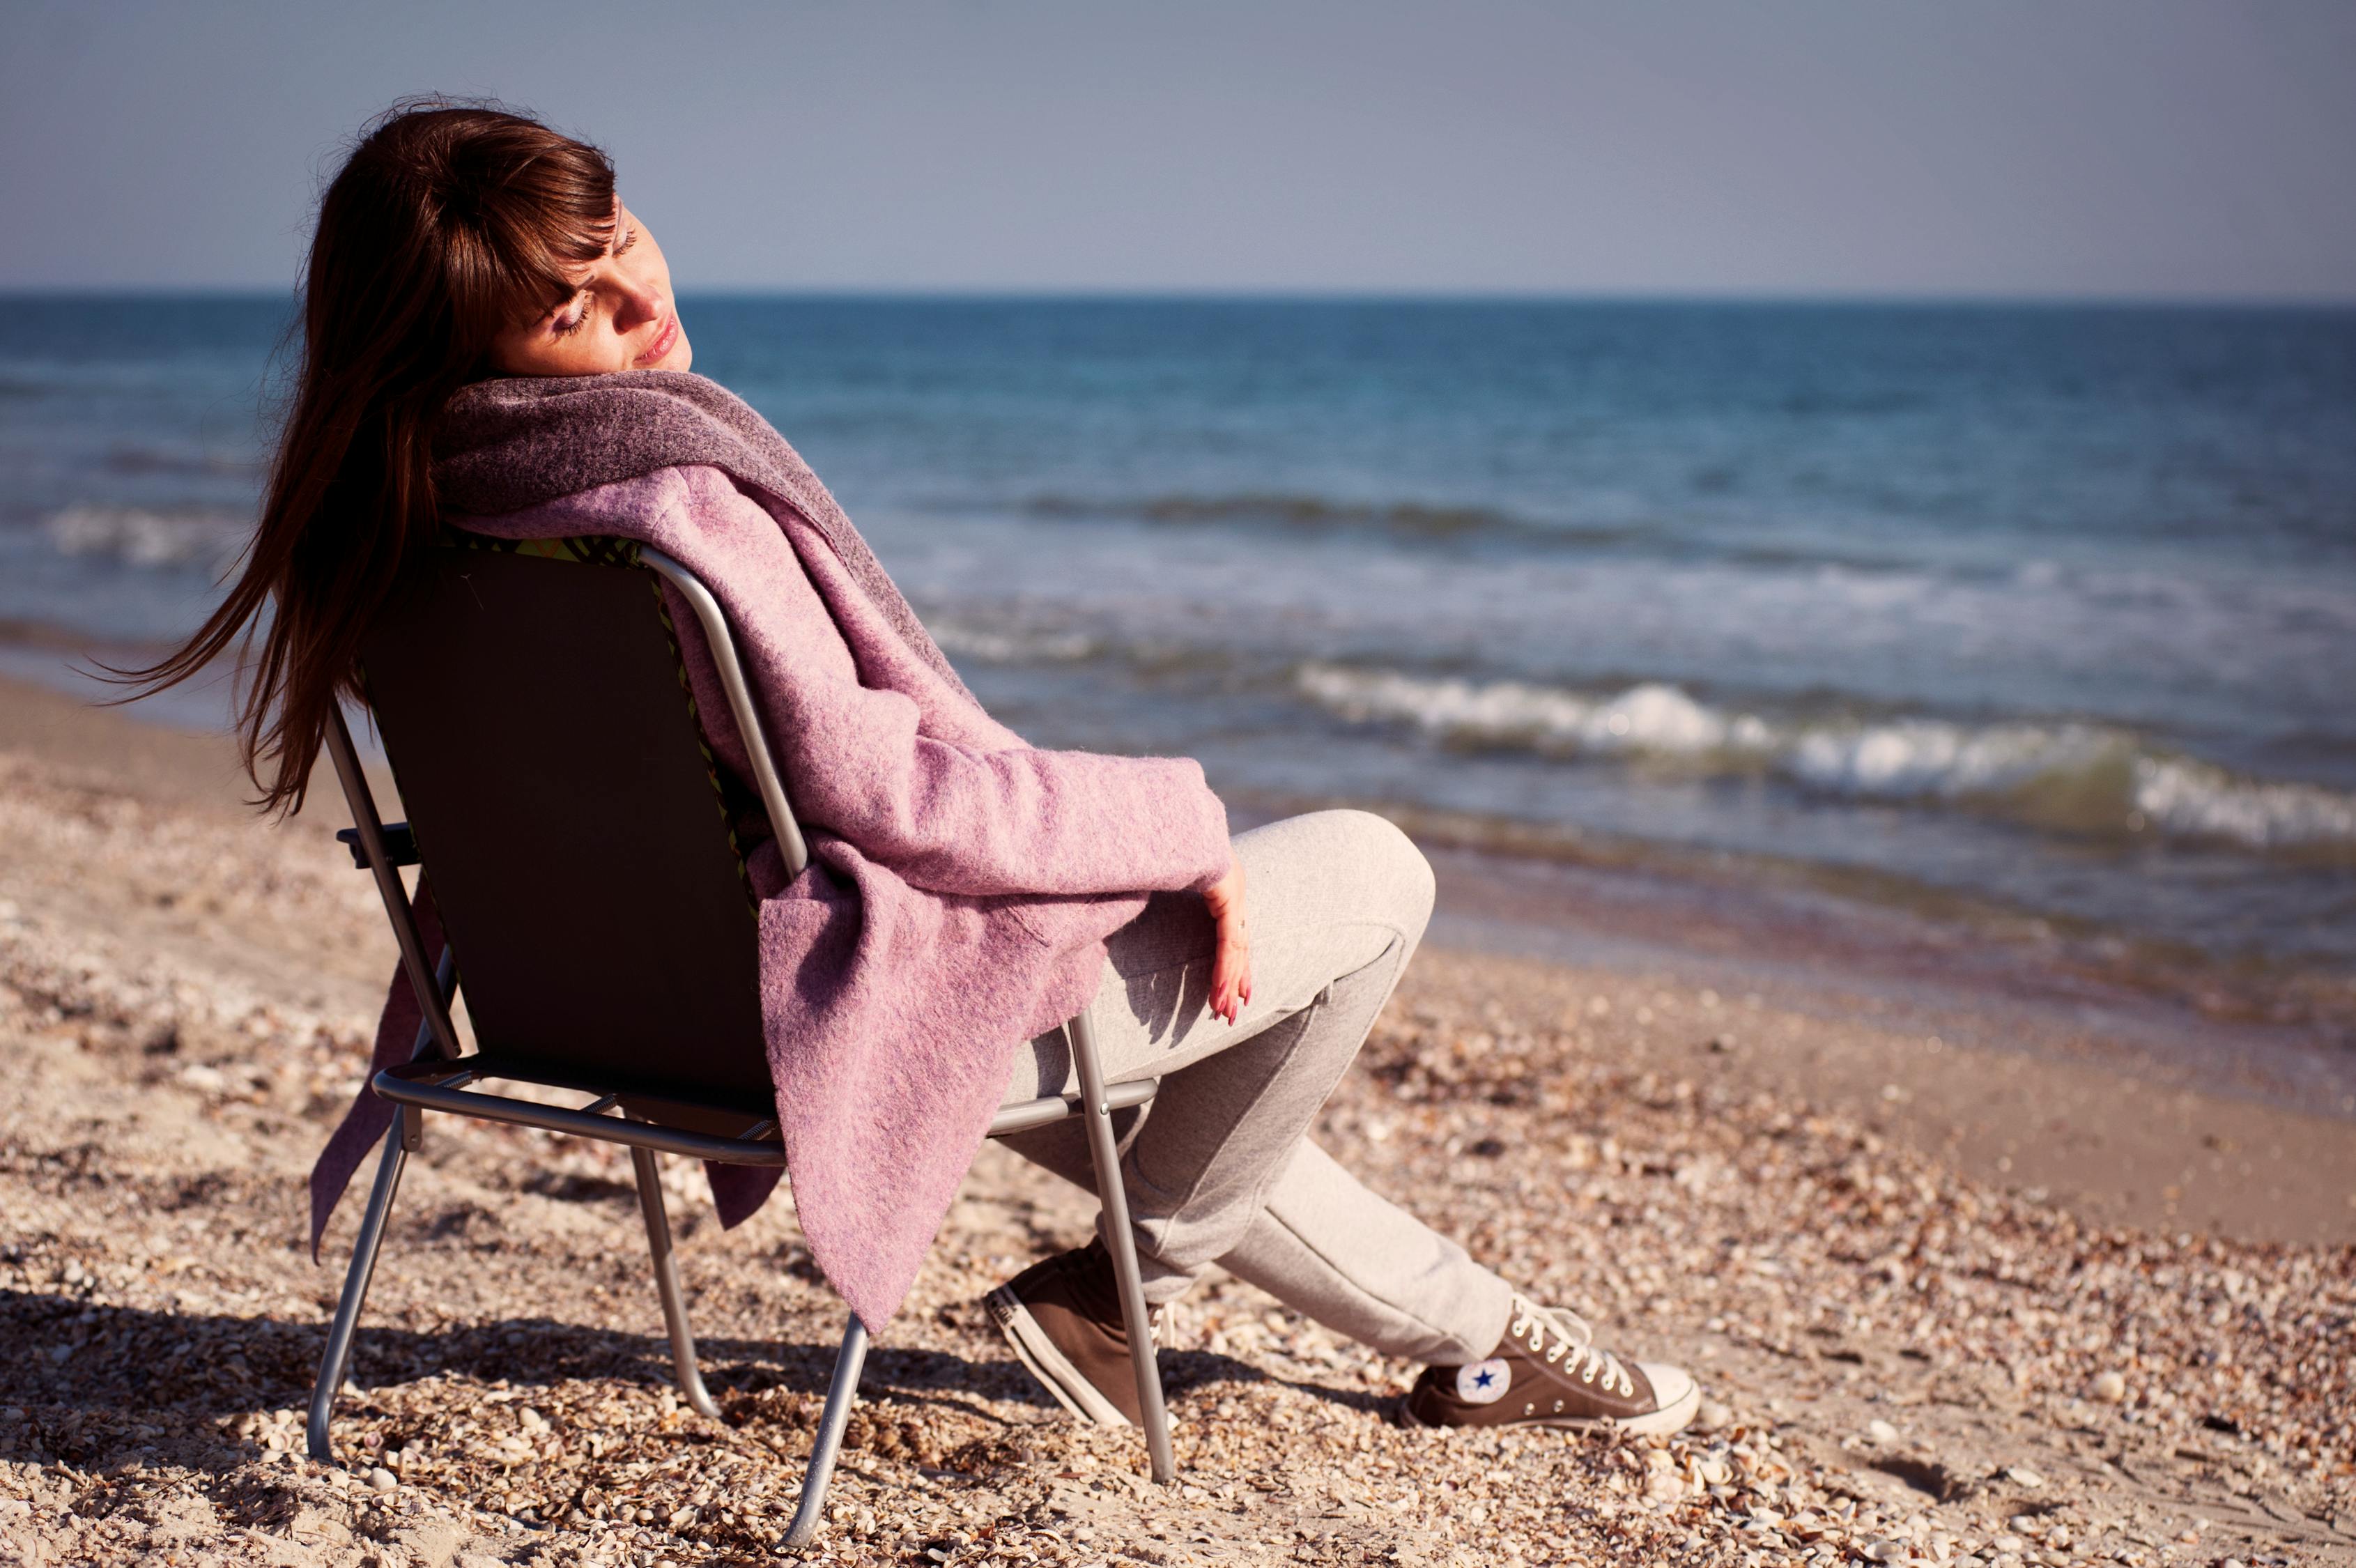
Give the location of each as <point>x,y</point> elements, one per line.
<point>1276,295</point>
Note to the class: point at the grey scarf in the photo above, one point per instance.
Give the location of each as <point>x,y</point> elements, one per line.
<point>511,443</point>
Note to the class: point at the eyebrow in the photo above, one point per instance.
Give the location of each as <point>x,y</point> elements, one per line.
<point>613,247</point>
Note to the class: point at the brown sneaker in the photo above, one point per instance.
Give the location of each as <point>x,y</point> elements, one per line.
<point>1548,1372</point>
<point>1062,1318</point>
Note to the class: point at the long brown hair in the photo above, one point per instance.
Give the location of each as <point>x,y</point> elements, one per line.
<point>447,223</point>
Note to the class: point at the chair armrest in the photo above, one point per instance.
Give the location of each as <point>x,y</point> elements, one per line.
<point>399,846</point>
<point>1024,1114</point>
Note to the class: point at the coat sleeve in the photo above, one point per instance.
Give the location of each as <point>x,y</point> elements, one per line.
<point>949,817</point>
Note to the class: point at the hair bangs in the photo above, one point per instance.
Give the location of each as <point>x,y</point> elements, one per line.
<point>524,214</point>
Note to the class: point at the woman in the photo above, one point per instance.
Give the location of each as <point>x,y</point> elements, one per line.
<point>490,332</point>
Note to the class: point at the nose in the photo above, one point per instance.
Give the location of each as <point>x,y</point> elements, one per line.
<point>640,305</point>
<point>641,302</point>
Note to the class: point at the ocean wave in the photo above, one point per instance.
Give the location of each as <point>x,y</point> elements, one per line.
<point>1310,514</point>
<point>2073,777</point>
<point>132,457</point>
<point>1652,719</point>
<point>2196,800</point>
<point>1009,645</point>
<point>136,537</point>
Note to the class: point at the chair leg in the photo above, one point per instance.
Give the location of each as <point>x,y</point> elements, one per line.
<point>338,1356</point>
<point>826,1443</point>
<point>1115,1199</point>
<point>674,1303</point>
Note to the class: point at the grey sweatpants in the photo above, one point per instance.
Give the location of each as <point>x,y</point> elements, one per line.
<point>1220,1167</point>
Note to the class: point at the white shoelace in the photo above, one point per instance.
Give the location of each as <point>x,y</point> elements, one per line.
<point>1561,1338</point>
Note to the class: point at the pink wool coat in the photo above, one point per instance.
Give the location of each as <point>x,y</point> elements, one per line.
<point>961,884</point>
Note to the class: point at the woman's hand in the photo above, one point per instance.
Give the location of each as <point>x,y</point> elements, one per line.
<point>1231,960</point>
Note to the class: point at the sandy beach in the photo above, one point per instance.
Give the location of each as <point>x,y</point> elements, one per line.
<point>1978,1257</point>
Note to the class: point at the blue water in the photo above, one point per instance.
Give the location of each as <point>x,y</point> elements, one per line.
<point>2052,608</point>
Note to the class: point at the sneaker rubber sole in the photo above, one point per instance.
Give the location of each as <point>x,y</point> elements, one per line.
<point>1049,1365</point>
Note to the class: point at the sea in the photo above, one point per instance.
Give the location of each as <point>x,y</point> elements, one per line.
<point>2047,612</point>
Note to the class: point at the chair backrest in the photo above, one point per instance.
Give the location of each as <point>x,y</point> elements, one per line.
<point>537,718</point>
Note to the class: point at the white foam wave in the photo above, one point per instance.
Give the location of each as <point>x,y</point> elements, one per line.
<point>1651,718</point>
<point>2076,777</point>
<point>1007,644</point>
<point>1929,758</point>
<point>141,537</point>
<point>2195,799</point>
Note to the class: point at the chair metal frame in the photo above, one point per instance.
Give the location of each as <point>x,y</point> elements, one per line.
<point>443,1084</point>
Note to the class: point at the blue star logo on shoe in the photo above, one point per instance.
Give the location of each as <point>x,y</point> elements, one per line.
<point>1484,1382</point>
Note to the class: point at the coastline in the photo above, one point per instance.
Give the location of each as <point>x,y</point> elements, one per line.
<point>2031,1074</point>
<point>1908,1347</point>
<point>2010,1063</point>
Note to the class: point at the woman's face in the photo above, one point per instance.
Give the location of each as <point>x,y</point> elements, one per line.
<point>621,318</point>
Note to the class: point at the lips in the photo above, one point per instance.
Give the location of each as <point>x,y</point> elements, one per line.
<point>666,339</point>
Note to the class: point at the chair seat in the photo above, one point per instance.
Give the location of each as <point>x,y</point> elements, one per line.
<point>742,1132</point>
<point>742,1135</point>
<point>723,1113</point>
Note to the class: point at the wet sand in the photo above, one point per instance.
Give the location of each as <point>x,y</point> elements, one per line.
<point>2015,1067</point>
<point>1976,1260</point>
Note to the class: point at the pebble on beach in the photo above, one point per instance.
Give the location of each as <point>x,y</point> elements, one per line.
<point>1901,1365</point>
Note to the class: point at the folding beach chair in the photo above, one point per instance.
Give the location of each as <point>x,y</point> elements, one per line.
<point>576,833</point>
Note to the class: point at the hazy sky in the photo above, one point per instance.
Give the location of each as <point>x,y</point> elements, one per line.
<point>2102,147</point>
